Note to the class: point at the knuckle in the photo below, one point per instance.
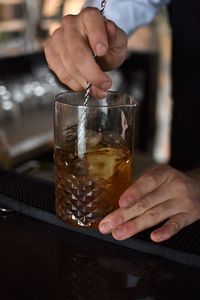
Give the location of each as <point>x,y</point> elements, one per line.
<point>78,54</point>
<point>175,226</point>
<point>132,228</point>
<point>121,218</point>
<point>67,21</point>
<point>63,76</point>
<point>54,36</point>
<point>111,24</point>
<point>142,205</point>
<point>90,11</point>
<point>152,216</point>
<point>56,32</point>
<point>181,185</point>
<point>150,178</point>
<point>158,175</point>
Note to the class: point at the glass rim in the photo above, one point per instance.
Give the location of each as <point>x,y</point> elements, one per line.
<point>133,104</point>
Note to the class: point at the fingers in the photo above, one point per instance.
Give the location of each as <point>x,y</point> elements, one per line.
<point>76,42</point>
<point>148,191</point>
<point>161,194</point>
<point>79,53</point>
<point>139,217</point>
<point>76,61</point>
<point>147,183</point>
<point>61,62</point>
<point>62,53</point>
<point>122,215</point>
<point>117,49</point>
<point>170,228</point>
<point>56,65</point>
<point>149,219</point>
<point>95,29</point>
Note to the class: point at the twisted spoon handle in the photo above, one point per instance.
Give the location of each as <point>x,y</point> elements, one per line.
<point>87,91</point>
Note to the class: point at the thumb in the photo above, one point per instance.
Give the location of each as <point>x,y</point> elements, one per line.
<point>117,44</point>
<point>116,36</point>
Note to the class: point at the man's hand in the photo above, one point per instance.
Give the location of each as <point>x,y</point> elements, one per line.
<point>71,48</point>
<point>161,194</point>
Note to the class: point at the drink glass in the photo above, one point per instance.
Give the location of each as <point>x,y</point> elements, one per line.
<point>93,155</point>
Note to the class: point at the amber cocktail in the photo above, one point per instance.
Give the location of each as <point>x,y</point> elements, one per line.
<point>94,166</point>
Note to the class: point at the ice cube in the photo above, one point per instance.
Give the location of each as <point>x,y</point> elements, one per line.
<point>113,139</point>
<point>92,139</point>
<point>101,164</point>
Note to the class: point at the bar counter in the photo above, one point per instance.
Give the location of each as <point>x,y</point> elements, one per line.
<point>42,261</point>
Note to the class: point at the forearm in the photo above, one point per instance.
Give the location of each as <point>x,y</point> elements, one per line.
<point>130,14</point>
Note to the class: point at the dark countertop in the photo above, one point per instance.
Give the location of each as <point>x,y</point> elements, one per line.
<point>42,261</point>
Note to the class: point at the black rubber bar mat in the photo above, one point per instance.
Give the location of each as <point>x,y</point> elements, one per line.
<point>35,197</point>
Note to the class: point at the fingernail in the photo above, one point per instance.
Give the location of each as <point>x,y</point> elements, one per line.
<point>105,227</point>
<point>100,49</point>
<point>106,85</point>
<point>119,233</point>
<point>157,237</point>
<point>125,201</point>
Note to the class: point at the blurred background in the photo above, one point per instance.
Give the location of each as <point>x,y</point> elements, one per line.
<point>27,87</point>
